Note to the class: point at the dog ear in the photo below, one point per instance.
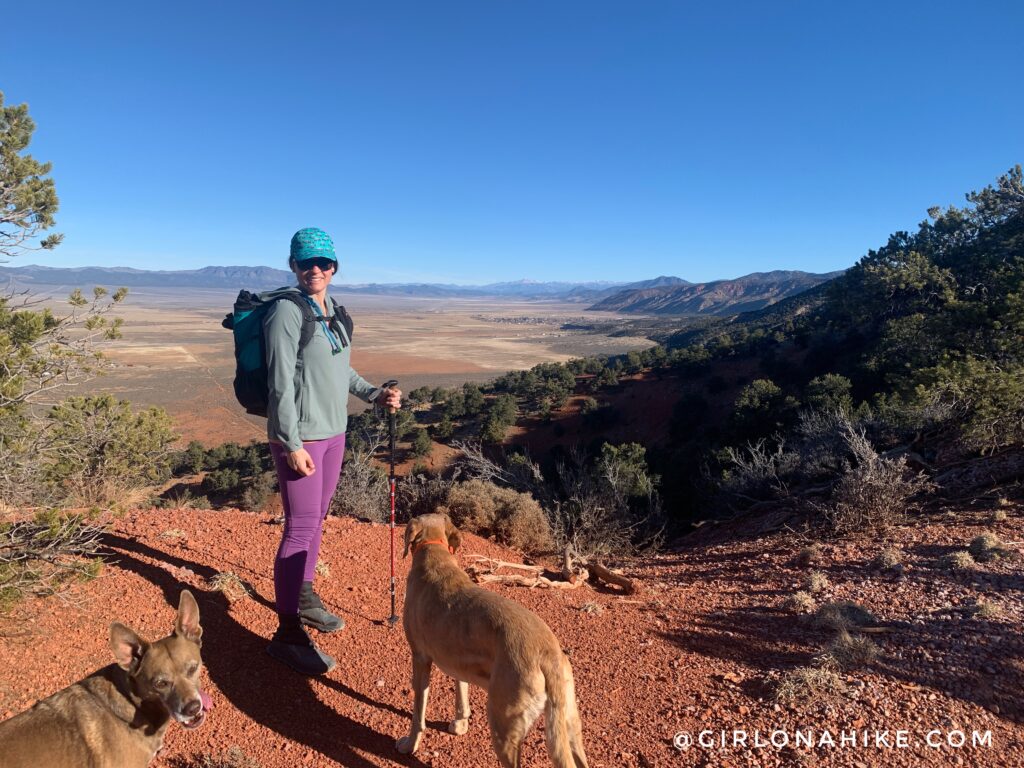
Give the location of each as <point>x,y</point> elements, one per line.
<point>187,623</point>
<point>452,534</point>
<point>413,533</point>
<point>128,647</point>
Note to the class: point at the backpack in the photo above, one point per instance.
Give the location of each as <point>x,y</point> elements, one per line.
<point>245,321</point>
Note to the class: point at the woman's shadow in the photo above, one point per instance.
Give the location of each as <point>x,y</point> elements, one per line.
<point>268,693</point>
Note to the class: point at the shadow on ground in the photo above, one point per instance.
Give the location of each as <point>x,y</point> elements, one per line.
<point>265,691</point>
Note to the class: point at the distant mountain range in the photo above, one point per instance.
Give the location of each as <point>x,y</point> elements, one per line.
<point>661,296</point>
<point>721,297</point>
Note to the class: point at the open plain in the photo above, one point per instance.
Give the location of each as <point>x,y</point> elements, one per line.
<point>174,353</point>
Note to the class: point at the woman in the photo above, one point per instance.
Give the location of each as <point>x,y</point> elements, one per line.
<point>307,415</point>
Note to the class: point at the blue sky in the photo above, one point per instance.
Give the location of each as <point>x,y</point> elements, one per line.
<point>472,142</point>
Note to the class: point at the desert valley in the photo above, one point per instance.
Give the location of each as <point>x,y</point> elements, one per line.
<point>176,355</point>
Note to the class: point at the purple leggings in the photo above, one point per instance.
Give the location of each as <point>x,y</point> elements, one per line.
<point>306,501</point>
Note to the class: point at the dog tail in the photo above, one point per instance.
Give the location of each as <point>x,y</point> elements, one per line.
<point>562,729</point>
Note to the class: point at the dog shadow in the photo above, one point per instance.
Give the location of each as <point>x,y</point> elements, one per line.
<point>268,693</point>
<point>438,725</point>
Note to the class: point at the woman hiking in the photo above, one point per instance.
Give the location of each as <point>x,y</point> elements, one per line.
<point>307,415</point>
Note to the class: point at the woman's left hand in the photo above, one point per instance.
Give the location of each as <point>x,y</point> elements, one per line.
<point>391,398</point>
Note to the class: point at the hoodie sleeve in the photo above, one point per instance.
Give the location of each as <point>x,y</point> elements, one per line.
<point>282,327</point>
<point>361,388</point>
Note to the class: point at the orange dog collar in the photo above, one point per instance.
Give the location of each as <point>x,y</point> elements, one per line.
<point>420,544</point>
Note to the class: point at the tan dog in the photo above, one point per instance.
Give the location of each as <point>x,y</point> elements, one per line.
<point>115,717</point>
<point>476,636</point>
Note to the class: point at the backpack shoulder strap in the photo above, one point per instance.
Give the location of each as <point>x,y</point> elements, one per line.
<point>308,317</point>
<point>342,316</point>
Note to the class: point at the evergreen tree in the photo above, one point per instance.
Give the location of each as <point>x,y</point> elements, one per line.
<point>28,200</point>
<point>421,443</point>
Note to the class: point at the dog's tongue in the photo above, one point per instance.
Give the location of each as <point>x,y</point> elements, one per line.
<point>207,701</point>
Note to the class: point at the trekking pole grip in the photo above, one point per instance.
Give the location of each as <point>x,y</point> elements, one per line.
<point>390,383</point>
<point>391,422</point>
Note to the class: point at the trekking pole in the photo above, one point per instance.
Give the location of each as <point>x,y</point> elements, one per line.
<point>393,618</point>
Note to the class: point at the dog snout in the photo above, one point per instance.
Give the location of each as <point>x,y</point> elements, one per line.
<point>192,708</point>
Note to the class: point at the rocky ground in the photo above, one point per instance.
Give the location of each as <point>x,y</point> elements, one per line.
<point>702,648</point>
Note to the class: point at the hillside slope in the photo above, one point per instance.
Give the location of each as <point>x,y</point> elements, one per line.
<point>701,647</point>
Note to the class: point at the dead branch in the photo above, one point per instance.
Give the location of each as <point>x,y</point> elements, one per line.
<point>524,581</point>
<point>599,571</point>
<point>489,565</point>
<point>567,571</point>
<point>574,574</point>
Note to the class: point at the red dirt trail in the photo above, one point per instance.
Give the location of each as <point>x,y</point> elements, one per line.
<point>697,648</point>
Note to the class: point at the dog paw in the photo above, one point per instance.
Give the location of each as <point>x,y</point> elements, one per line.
<point>407,744</point>
<point>459,727</point>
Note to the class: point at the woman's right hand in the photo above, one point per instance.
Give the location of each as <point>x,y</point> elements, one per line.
<point>301,462</point>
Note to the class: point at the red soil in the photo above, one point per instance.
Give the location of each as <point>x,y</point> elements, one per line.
<point>697,649</point>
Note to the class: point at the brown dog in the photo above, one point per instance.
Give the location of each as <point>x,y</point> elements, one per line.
<point>115,717</point>
<point>476,636</point>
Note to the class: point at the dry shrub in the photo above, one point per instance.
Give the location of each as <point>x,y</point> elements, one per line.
<point>800,602</point>
<point>986,610</point>
<point>363,491</point>
<point>810,685</point>
<point>609,507</point>
<point>957,561</point>
<point>136,497</point>
<point>986,547</point>
<point>511,517</point>
<point>875,492</point>
<point>816,581</point>
<point>851,652</point>
<point>758,471</point>
<point>230,584</point>
<point>808,555</point>
<point>258,491</point>
<point>821,442</point>
<point>46,554</point>
<point>999,516</point>
<point>422,494</point>
<point>842,616</point>
<point>181,497</point>
<point>890,557</point>
<point>323,570</point>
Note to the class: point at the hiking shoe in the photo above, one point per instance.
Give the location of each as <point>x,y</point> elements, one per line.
<point>313,614</point>
<point>292,646</point>
<point>305,659</point>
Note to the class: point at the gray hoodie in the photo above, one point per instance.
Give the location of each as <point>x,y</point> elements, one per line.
<point>307,396</point>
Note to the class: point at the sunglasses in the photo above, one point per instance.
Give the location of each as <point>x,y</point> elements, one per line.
<point>307,264</point>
